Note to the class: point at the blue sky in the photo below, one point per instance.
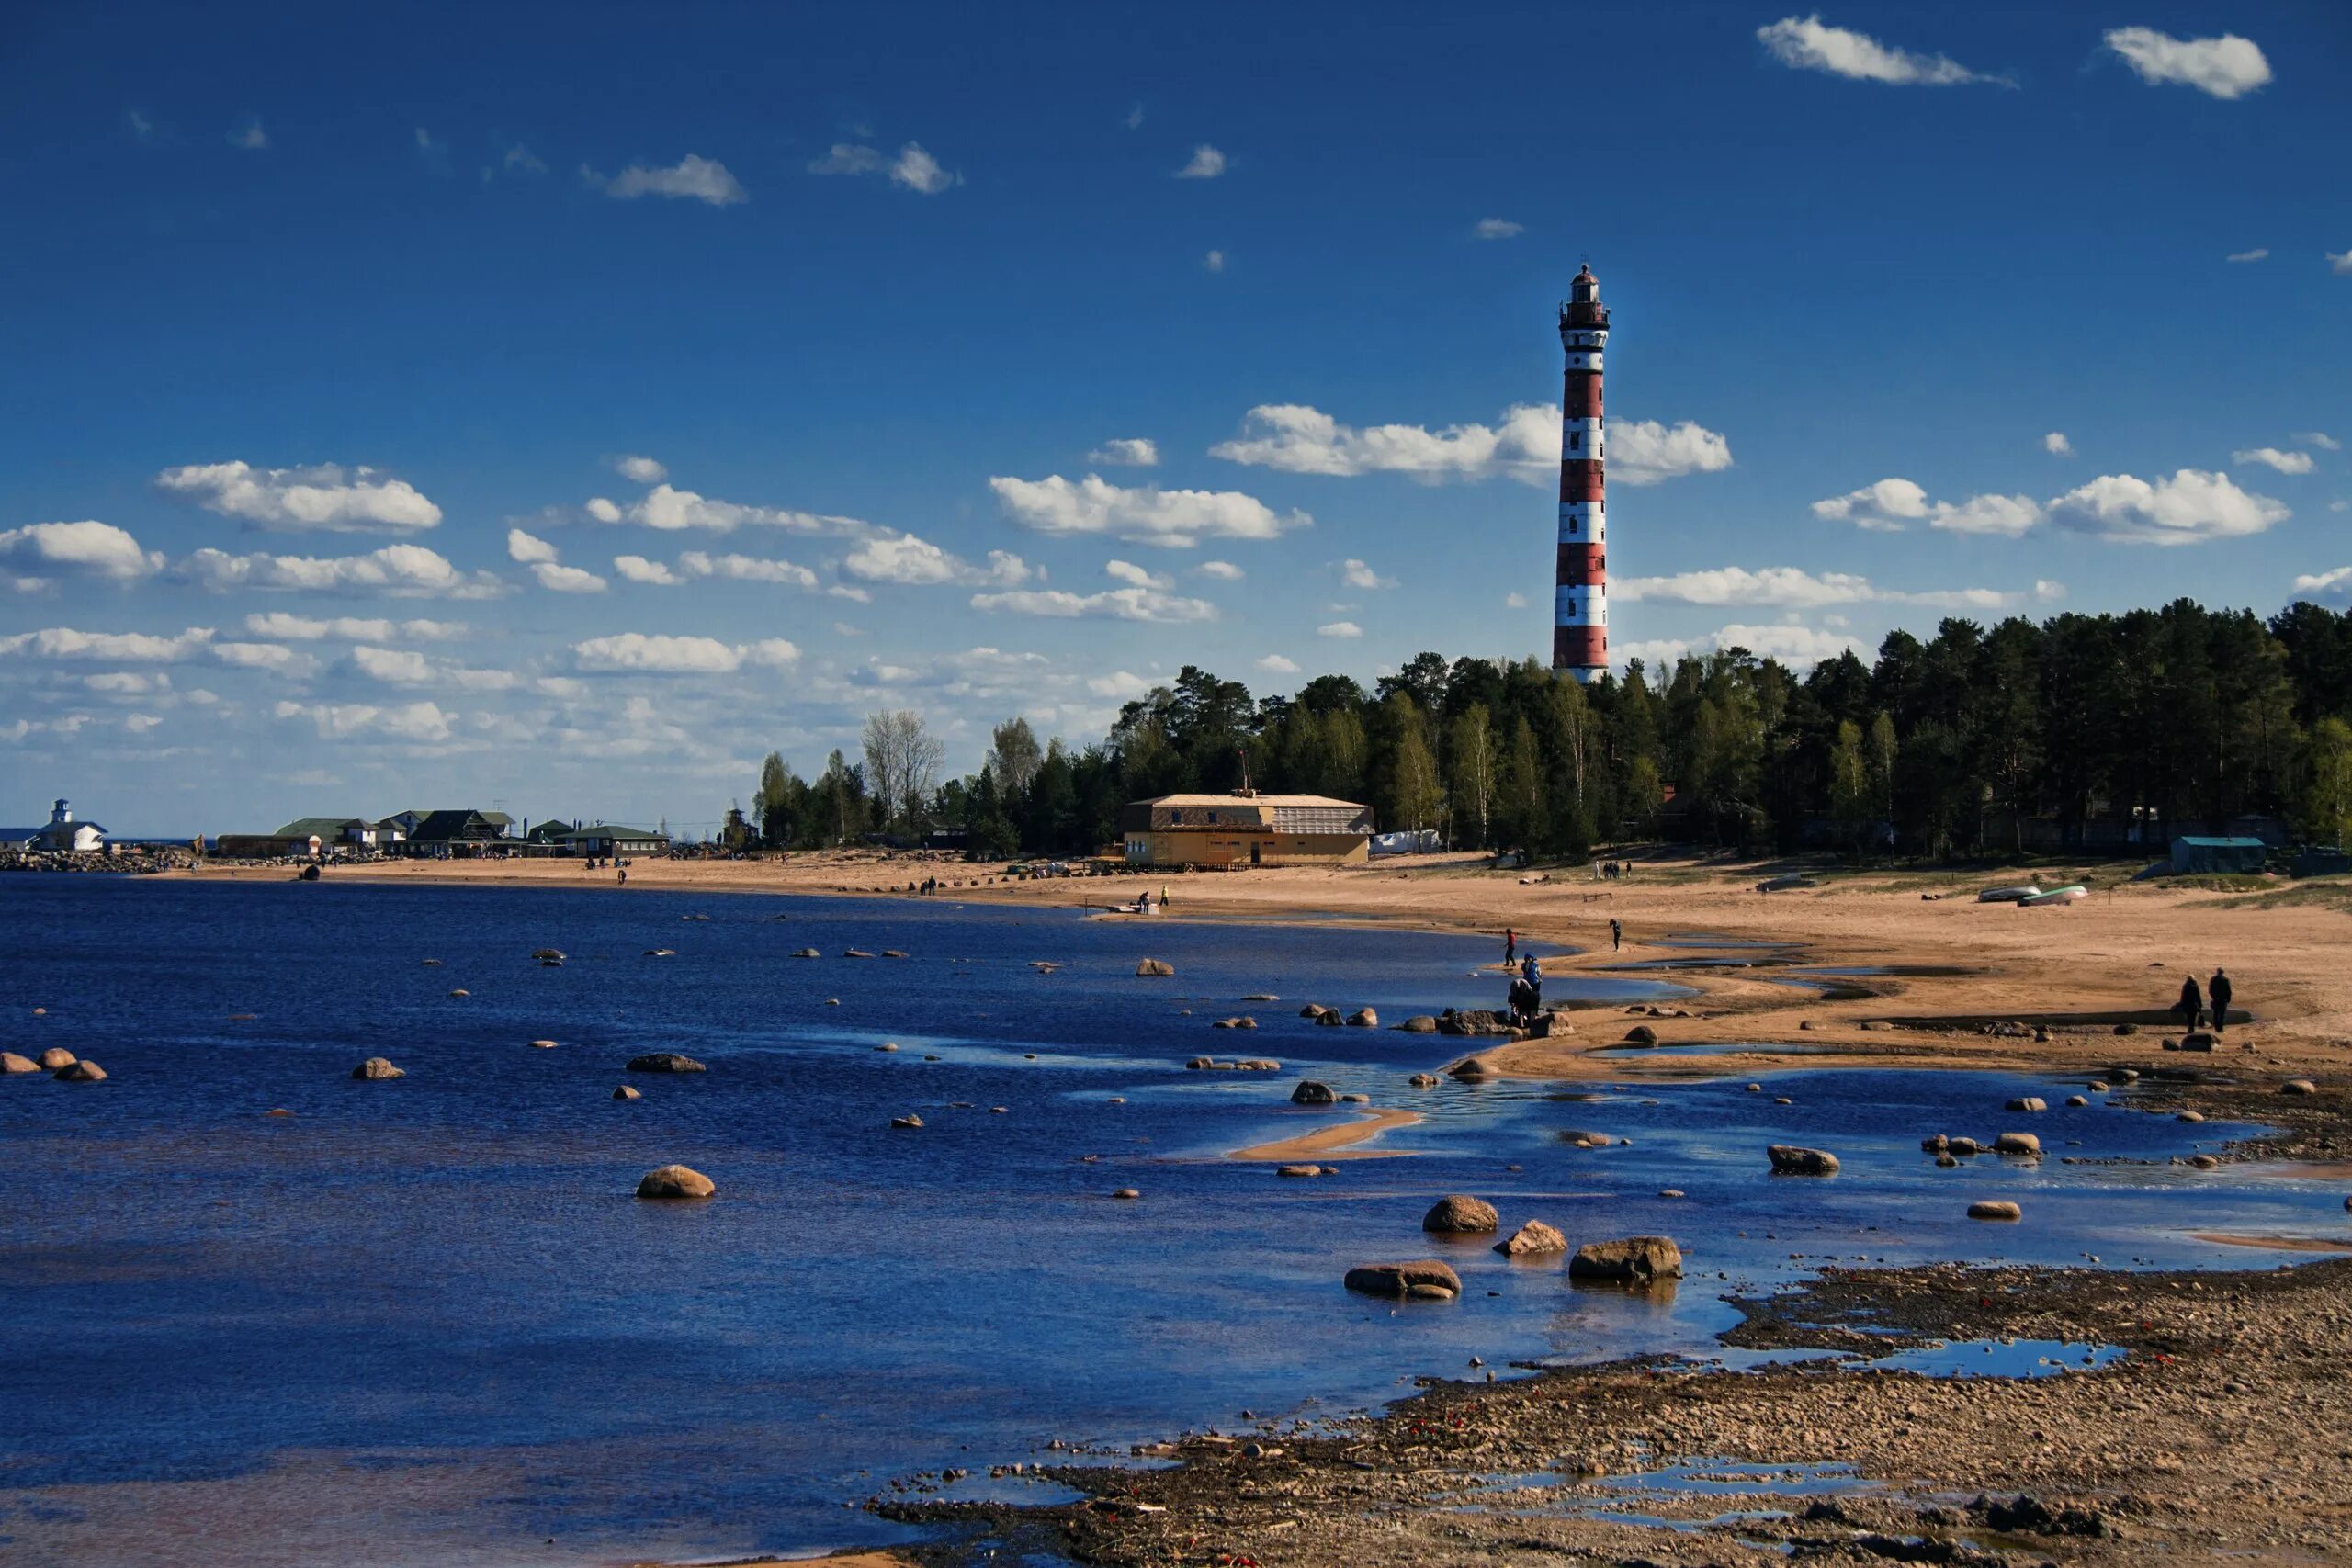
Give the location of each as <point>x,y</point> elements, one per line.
<point>559,406</point>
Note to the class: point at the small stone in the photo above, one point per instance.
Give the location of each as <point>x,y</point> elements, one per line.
<point>1424,1080</point>
<point>675,1181</point>
<point>910,1122</point>
<point>375,1069</point>
<point>625,1092</point>
<point>1154,968</point>
<point>2190,1116</point>
<point>1126,1194</point>
<point>83,1071</point>
<point>1993,1209</point>
<point>885,1047</point>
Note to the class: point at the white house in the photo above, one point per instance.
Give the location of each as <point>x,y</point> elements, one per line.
<point>62,833</point>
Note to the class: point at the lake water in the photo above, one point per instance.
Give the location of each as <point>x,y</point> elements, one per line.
<point>425,1320</point>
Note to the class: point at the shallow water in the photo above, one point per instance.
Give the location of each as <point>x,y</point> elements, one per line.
<point>426,1320</point>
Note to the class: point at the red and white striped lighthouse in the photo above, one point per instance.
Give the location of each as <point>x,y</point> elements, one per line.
<point>1580,600</point>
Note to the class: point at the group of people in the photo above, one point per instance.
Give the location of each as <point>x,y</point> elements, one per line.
<point>2192,1004</point>
<point>1612,870</point>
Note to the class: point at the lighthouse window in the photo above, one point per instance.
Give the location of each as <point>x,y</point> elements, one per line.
<point>1576,440</point>
<point>1573,526</point>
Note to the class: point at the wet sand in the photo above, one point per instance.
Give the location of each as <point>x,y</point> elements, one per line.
<point>1334,1142</point>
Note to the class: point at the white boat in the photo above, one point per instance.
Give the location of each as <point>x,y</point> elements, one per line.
<point>2073,893</point>
<point>2017,895</point>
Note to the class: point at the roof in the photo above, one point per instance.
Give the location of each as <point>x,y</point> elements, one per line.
<point>21,835</point>
<point>613,831</point>
<point>2221,843</point>
<point>1237,801</point>
<point>455,824</point>
<point>322,826</point>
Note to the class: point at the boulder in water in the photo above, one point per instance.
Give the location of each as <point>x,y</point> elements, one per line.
<point>1154,968</point>
<point>665,1062</point>
<point>1310,1092</point>
<point>808,952</point>
<point>12,1062</point>
<point>1126,1194</point>
<point>1364,1017</point>
<point>548,954</point>
<point>1470,1070</point>
<point>1789,1160</point>
<point>910,1122</point>
<point>2028,1102</point>
<point>1298,1170</point>
<point>1935,1144</point>
<point>376,1068</point>
<point>1424,1080</point>
<point>1420,1023</point>
<point>1635,1260</point>
<point>1532,1238</point>
<point>542,1045</point>
<point>83,1071</point>
<point>624,1092</point>
<point>675,1181</point>
<point>1460,1216</point>
<point>2016,1143</point>
<point>1993,1209</point>
<point>56,1056</point>
<point>1424,1279</point>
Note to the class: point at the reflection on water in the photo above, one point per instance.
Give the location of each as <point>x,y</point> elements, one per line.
<point>425,1320</point>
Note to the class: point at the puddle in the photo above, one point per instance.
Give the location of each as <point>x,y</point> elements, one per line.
<point>2001,1358</point>
<point>1740,1478</point>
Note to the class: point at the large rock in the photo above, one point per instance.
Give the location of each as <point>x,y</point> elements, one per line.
<point>1532,1238</point>
<point>85,1071</point>
<point>1424,1279</point>
<point>12,1062</point>
<point>56,1056</point>
<point>1993,1209</point>
<point>1298,1170</point>
<point>1314,1013</point>
<point>1640,1034</point>
<point>1475,1021</point>
<point>1635,1260</point>
<point>1155,967</point>
<point>675,1181</point>
<point>1458,1216</point>
<point>665,1062</point>
<point>2028,1102</point>
<point>1789,1160</point>
<point>1420,1023</point>
<point>377,1067</point>
<point>1309,1092</point>
<point>1364,1017</point>
<point>2201,1041</point>
<point>1423,1080</point>
<point>1470,1070</point>
<point>2016,1143</point>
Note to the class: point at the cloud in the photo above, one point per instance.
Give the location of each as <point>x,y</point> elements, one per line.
<point>1206,164</point>
<point>644,470</point>
<point>1127,452</point>
<point>902,558</point>
<point>1134,575</point>
<point>2333,584</point>
<point>1175,519</point>
<point>2339,263</point>
<point>913,169</point>
<point>405,666</point>
<point>1892,505</point>
<point>1808,43</point>
<point>1146,604</point>
<point>558,579</point>
<point>692,177</point>
<point>846,158</point>
<point>2224,67</point>
<point>1356,574</point>
<point>281,626</point>
<point>1134,120</point>
<point>2271,458</point>
<point>528,548</point>
<point>141,723</point>
<point>1275,664</point>
<point>670,509</point>
<point>1796,588</point>
<point>2260,253</point>
<point>1497,229</point>
<point>1223,571</point>
<point>1124,685</point>
<point>850,592</point>
<point>520,160</point>
<point>403,571</point>
<point>81,549</point>
<point>636,569</point>
<point>2188,509</point>
<point>635,653</point>
<point>418,722</point>
<point>917,171</point>
<point>2319,438</point>
<point>746,568</point>
<point>272,658</point>
<point>1789,643</point>
<point>1301,439</point>
<point>1514,600</point>
<point>115,648</point>
<point>250,137</point>
<point>1214,261</point>
<point>2057,446</point>
<point>1339,629</point>
<point>321,499</point>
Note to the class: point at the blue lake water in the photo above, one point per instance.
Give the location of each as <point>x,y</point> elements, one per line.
<point>425,1320</point>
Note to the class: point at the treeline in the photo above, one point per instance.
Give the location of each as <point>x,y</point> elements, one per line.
<point>2183,718</point>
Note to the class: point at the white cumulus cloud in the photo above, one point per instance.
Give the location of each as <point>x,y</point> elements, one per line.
<point>1357,574</point>
<point>114,647</point>
<point>644,470</point>
<point>1214,261</point>
<point>1127,452</point>
<point>281,626</point>
<point>693,177</point>
<point>916,169</point>
<point>87,548</point>
<point>1174,519</point>
<point>670,509</point>
<point>2319,438</point>
<point>636,569</point>
<point>745,569</point>
<point>324,498</point>
<point>1134,575</point>
<point>2056,445</point>
<point>1339,629</point>
<point>400,572</point>
<point>422,723</point>
<point>1807,44</point>
<point>2260,253</point>
<point>1206,164</point>
<point>636,652</point>
<point>2189,508</point>
<point>2225,67</point>
<point>1275,664</point>
<point>557,578</point>
<point>1793,587</point>
<point>1146,604</point>
<point>1223,571</point>
<point>902,558</point>
<point>2336,583</point>
<point>2272,457</point>
<point>528,548</point>
<point>1890,506</point>
<point>1301,439</point>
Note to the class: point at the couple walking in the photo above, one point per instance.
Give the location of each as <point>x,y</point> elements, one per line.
<point>2192,1006</point>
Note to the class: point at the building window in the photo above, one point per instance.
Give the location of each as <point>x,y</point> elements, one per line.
<point>1576,440</point>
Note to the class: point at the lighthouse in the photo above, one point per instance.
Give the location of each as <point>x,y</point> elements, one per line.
<point>1580,599</point>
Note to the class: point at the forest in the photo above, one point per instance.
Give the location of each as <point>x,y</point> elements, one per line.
<point>2066,735</point>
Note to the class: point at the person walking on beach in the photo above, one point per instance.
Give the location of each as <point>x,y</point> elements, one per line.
<point>2192,1006</point>
<point>2218,989</point>
<point>1616,936</point>
<point>1511,945</point>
